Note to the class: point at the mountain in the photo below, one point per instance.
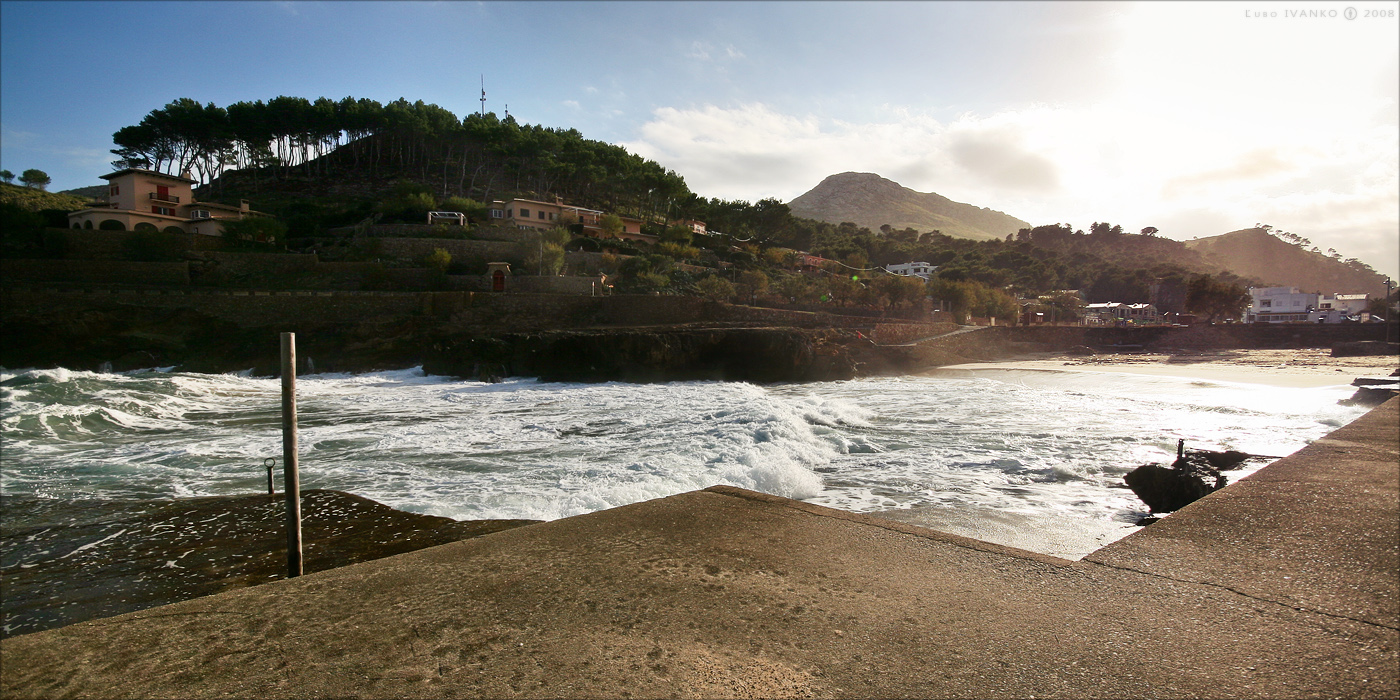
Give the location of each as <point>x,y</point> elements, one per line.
<point>1252,252</point>
<point>869,200</point>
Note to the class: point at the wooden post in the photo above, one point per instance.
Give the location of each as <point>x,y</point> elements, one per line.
<point>291,481</point>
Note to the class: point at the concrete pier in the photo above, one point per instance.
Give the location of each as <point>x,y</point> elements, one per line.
<point>1284,584</point>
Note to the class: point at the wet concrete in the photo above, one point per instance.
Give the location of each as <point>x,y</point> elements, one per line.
<point>65,561</point>
<point>1282,585</point>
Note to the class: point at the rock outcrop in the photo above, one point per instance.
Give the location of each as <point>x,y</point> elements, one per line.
<point>1194,474</point>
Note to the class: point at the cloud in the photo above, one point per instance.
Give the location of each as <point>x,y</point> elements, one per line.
<point>703,51</point>
<point>571,104</point>
<point>996,157</point>
<point>1257,165</point>
<point>1049,164</point>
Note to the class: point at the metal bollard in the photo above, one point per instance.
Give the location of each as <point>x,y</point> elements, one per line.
<point>270,462</point>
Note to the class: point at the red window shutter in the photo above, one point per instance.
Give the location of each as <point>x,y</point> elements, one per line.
<point>162,191</point>
<point>155,210</point>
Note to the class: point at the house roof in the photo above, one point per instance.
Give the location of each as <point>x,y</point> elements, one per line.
<point>148,173</point>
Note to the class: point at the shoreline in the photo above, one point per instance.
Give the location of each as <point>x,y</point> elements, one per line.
<point>1294,368</point>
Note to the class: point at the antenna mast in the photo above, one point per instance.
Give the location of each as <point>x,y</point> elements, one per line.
<point>483,95</point>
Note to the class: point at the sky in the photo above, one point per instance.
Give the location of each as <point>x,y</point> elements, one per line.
<point>1194,118</point>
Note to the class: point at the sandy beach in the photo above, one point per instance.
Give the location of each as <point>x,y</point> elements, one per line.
<point>1302,367</point>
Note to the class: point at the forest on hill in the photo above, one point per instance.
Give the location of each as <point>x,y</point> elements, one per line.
<point>323,164</point>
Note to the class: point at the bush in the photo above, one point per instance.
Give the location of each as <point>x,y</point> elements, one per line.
<point>261,229</point>
<point>715,288</point>
<point>439,259</point>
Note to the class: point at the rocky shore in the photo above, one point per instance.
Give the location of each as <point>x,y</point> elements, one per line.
<point>133,337</point>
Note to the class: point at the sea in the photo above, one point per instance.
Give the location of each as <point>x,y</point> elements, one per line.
<point>1045,446</point>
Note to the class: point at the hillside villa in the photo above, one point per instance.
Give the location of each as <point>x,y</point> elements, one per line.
<point>534,214</point>
<point>1289,305</point>
<point>922,270</point>
<point>145,200</point>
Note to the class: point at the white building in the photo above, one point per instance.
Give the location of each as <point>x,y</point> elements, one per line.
<point>1279,305</point>
<point>1289,305</point>
<point>921,270</point>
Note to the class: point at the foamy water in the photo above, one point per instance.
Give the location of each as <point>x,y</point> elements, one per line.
<point>1041,443</point>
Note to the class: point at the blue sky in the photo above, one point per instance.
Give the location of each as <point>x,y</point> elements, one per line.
<point>1196,118</point>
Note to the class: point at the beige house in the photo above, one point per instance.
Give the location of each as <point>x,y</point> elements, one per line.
<point>533,214</point>
<point>146,200</point>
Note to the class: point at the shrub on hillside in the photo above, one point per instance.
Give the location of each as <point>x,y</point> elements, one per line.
<point>255,229</point>
<point>715,289</point>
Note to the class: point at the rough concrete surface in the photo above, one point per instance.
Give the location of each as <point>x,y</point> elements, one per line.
<point>1283,585</point>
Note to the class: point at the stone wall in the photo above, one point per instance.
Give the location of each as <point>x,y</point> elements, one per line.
<point>468,252</point>
<point>115,272</point>
<point>899,333</point>
<point>93,244</point>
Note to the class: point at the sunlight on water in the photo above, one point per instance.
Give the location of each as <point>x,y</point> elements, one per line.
<point>1041,443</point>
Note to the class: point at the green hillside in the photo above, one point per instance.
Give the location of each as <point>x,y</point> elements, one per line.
<point>30,199</point>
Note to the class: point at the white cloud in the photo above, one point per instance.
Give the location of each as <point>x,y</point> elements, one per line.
<point>1055,164</point>
<point>571,104</point>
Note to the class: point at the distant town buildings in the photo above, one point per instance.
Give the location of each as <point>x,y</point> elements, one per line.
<point>145,200</point>
<point>1290,305</point>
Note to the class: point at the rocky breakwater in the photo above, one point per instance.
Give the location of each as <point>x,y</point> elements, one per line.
<point>651,354</point>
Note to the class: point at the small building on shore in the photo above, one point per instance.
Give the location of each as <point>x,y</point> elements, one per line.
<point>1118,313</point>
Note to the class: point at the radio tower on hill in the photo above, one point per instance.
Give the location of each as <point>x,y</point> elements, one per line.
<point>483,95</point>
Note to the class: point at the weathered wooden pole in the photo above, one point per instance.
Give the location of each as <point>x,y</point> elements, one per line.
<point>291,481</point>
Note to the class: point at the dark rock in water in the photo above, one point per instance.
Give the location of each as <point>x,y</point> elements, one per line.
<point>1165,489</point>
<point>1370,396</point>
<point>1223,461</point>
<point>136,359</point>
<point>67,561</point>
<point>1365,347</point>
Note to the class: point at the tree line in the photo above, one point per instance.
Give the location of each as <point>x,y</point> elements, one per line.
<point>478,156</point>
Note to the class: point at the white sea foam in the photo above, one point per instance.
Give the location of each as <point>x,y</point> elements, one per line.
<point>1036,442</point>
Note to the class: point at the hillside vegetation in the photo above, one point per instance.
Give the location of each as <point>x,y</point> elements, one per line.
<point>868,200</point>
<point>323,166</point>
<point>1264,254</point>
<point>36,200</point>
